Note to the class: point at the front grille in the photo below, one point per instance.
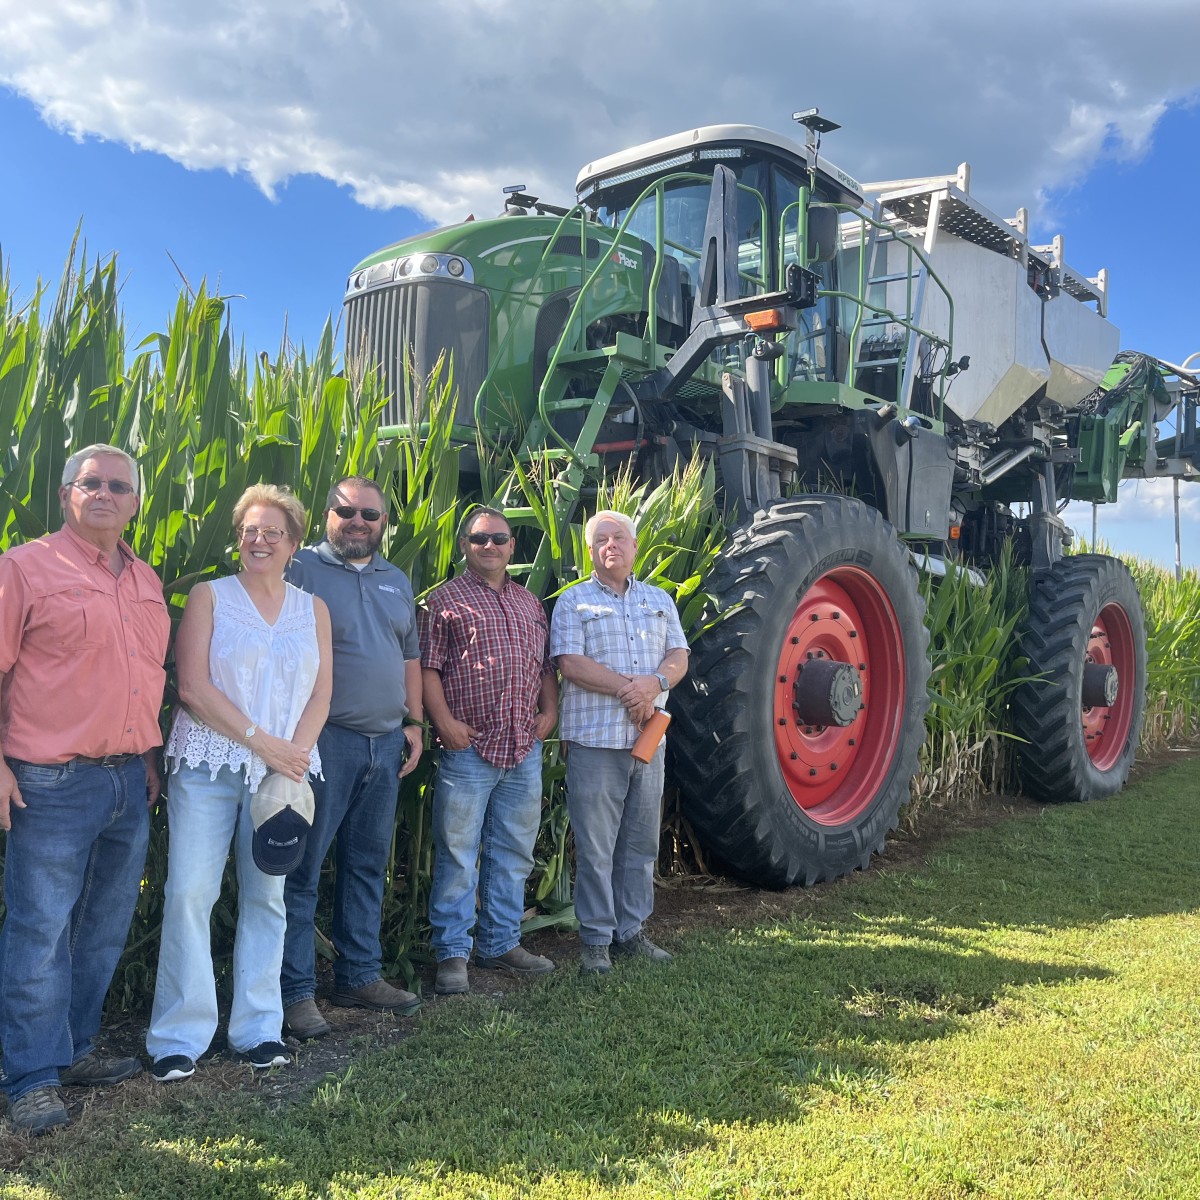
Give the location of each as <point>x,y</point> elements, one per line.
<point>401,330</point>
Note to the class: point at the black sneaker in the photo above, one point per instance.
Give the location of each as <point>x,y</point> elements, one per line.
<point>174,1066</point>
<point>266,1055</point>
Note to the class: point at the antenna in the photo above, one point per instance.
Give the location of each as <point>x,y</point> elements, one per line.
<point>814,125</point>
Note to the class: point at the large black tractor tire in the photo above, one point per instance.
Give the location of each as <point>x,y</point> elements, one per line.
<point>1086,637</point>
<point>800,720</point>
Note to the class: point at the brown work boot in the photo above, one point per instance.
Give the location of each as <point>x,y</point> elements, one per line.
<point>451,977</point>
<point>303,1020</point>
<point>517,961</point>
<point>380,996</point>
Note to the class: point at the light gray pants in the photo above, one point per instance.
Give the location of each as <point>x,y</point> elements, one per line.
<point>615,804</point>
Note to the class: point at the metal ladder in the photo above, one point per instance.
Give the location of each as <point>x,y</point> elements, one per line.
<point>916,277</point>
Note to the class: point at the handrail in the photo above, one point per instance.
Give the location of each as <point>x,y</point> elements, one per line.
<point>551,241</point>
<point>657,187</point>
<point>911,248</point>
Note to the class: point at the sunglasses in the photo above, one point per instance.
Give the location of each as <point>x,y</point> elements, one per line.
<point>346,511</point>
<point>93,483</point>
<point>270,535</point>
<point>482,539</point>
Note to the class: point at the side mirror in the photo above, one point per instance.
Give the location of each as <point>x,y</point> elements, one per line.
<point>822,233</point>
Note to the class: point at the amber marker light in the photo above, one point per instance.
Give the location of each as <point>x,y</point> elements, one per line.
<point>770,320</point>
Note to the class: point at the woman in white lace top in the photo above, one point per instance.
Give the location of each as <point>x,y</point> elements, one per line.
<point>254,662</point>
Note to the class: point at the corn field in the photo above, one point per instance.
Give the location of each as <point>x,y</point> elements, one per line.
<point>204,421</point>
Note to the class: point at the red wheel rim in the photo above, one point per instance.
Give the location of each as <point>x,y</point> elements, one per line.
<point>834,772</point>
<point>1106,730</point>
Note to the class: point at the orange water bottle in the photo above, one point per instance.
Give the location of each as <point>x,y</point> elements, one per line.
<point>652,733</point>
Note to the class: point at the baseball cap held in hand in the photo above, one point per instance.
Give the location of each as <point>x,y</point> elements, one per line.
<point>282,812</point>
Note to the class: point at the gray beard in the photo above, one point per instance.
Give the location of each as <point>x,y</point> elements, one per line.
<point>362,546</point>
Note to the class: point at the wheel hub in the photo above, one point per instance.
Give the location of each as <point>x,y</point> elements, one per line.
<point>1101,684</point>
<point>1107,707</point>
<point>838,694</point>
<point>826,692</point>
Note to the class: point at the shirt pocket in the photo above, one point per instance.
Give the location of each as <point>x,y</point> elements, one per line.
<point>152,629</point>
<point>75,620</point>
<point>652,629</point>
<point>530,632</point>
<point>604,636</point>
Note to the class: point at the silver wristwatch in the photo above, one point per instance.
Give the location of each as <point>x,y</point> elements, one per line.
<point>663,681</point>
<point>250,733</point>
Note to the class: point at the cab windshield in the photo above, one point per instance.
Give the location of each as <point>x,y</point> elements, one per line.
<point>768,201</point>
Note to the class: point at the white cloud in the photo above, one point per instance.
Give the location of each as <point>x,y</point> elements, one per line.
<point>1140,501</point>
<point>436,107</point>
<point>1142,522</point>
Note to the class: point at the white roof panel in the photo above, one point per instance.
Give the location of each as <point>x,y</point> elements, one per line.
<point>709,135</point>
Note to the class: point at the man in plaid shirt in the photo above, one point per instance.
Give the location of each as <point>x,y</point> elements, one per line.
<point>619,647</point>
<point>492,696</point>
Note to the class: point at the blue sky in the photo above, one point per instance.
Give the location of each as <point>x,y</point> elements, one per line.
<point>269,148</point>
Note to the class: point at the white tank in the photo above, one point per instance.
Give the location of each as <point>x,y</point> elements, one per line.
<point>1025,319</point>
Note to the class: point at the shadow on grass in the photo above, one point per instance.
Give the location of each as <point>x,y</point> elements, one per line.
<point>606,1080</point>
<point>1133,855</point>
<point>610,1080</point>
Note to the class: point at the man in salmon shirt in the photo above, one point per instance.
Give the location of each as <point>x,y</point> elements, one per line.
<point>83,636</point>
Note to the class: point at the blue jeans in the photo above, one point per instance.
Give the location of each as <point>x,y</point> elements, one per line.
<point>72,871</point>
<point>615,804</point>
<point>356,805</point>
<point>485,821</point>
<point>203,816</point>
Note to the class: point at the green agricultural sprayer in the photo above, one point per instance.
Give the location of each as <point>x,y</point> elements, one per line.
<point>886,376</point>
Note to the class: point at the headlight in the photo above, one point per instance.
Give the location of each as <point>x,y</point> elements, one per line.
<point>409,268</point>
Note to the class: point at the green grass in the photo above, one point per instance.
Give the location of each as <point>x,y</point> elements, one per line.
<point>1016,1017</point>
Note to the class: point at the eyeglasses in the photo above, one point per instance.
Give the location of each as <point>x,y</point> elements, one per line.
<point>346,511</point>
<point>93,483</point>
<point>482,539</point>
<point>270,535</point>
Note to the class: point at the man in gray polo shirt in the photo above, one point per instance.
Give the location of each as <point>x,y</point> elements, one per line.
<point>365,747</point>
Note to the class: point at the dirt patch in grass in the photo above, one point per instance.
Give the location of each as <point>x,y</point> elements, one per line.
<point>682,905</point>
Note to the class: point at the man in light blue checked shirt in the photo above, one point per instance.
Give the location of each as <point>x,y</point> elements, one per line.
<point>620,648</point>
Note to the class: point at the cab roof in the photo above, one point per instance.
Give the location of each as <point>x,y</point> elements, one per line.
<point>707,142</point>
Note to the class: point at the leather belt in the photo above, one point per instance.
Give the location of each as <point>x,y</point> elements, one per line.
<point>109,760</point>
